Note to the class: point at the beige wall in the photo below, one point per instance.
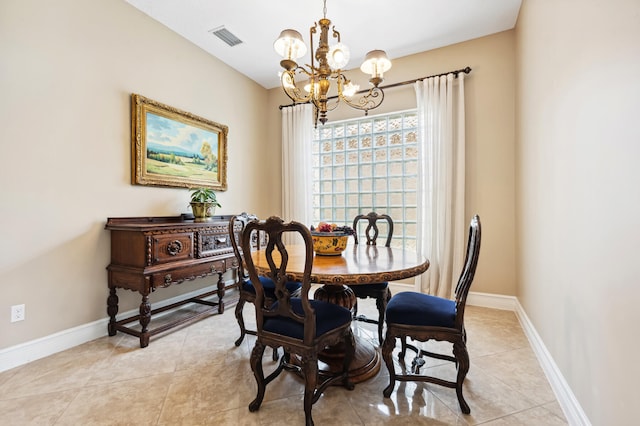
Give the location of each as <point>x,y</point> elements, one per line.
<point>489,92</point>
<point>67,71</point>
<point>578,145</point>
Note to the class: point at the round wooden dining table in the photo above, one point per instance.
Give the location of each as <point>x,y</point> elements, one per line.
<point>358,264</point>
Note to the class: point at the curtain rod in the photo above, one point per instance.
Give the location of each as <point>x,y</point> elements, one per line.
<point>466,70</point>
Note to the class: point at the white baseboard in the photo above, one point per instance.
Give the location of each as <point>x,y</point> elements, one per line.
<point>24,353</point>
<point>48,345</point>
<point>494,301</point>
<point>570,406</point>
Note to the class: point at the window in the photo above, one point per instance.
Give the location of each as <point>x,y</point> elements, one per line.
<point>368,164</point>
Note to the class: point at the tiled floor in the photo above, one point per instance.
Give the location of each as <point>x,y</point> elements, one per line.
<point>196,376</point>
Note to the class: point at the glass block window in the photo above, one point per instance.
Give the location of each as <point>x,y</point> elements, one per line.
<point>368,164</point>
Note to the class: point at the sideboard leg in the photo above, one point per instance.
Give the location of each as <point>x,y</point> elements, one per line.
<point>112,311</point>
<point>220,293</point>
<point>145,318</point>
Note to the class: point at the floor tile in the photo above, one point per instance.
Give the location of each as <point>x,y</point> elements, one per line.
<point>532,417</point>
<point>195,375</point>
<point>43,409</point>
<point>130,402</point>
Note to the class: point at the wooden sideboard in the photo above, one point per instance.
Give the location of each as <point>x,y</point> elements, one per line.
<point>148,253</point>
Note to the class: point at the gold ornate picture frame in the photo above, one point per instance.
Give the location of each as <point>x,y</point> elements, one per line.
<point>174,148</point>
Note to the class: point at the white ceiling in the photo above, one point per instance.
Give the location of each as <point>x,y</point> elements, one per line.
<point>400,27</point>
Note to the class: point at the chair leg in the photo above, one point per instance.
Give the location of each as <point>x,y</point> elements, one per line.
<point>462,357</point>
<point>258,373</point>
<point>349,353</point>
<point>381,304</point>
<point>310,371</point>
<point>240,320</point>
<point>387,349</point>
<point>403,347</point>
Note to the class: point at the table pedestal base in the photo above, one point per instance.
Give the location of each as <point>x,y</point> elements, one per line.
<point>340,295</point>
<point>365,364</point>
<point>366,361</point>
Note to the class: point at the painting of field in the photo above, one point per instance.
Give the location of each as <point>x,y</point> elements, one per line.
<point>177,149</point>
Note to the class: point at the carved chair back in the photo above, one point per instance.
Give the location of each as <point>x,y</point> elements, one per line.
<point>277,258</point>
<point>237,224</point>
<point>469,270</point>
<point>372,231</point>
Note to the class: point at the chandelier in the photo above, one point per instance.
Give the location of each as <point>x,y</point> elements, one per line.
<point>313,82</point>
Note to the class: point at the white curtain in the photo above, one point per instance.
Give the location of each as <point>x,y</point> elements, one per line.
<point>441,189</point>
<point>297,136</point>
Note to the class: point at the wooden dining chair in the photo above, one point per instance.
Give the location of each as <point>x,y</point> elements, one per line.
<point>303,327</point>
<point>424,317</point>
<point>378,291</point>
<point>246,290</point>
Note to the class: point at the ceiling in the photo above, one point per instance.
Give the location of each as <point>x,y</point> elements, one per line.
<point>400,27</point>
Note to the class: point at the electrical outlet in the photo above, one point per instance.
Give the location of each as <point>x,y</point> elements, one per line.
<point>17,313</point>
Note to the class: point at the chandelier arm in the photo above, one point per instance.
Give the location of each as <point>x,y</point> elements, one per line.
<point>371,100</point>
<point>288,83</point>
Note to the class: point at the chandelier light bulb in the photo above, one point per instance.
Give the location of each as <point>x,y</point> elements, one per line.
<point>375,64</point>
<point>338,56</point>
<point>350,89</point>
<point>291,47</point>
<point>316,88</point>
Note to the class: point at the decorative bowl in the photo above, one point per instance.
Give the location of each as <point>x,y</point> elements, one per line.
<point>329,243</point>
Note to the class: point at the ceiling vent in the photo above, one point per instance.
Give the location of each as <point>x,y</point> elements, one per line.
<point>225,35</point>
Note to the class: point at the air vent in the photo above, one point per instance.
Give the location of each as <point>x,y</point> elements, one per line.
<point>225,35</point>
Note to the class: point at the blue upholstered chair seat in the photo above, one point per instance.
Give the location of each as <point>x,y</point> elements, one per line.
<point>411,308</point>
<point>269,286</point>
<point>328,317</point>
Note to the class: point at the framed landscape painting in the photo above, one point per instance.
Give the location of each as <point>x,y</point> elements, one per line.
<point>174,148</point>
